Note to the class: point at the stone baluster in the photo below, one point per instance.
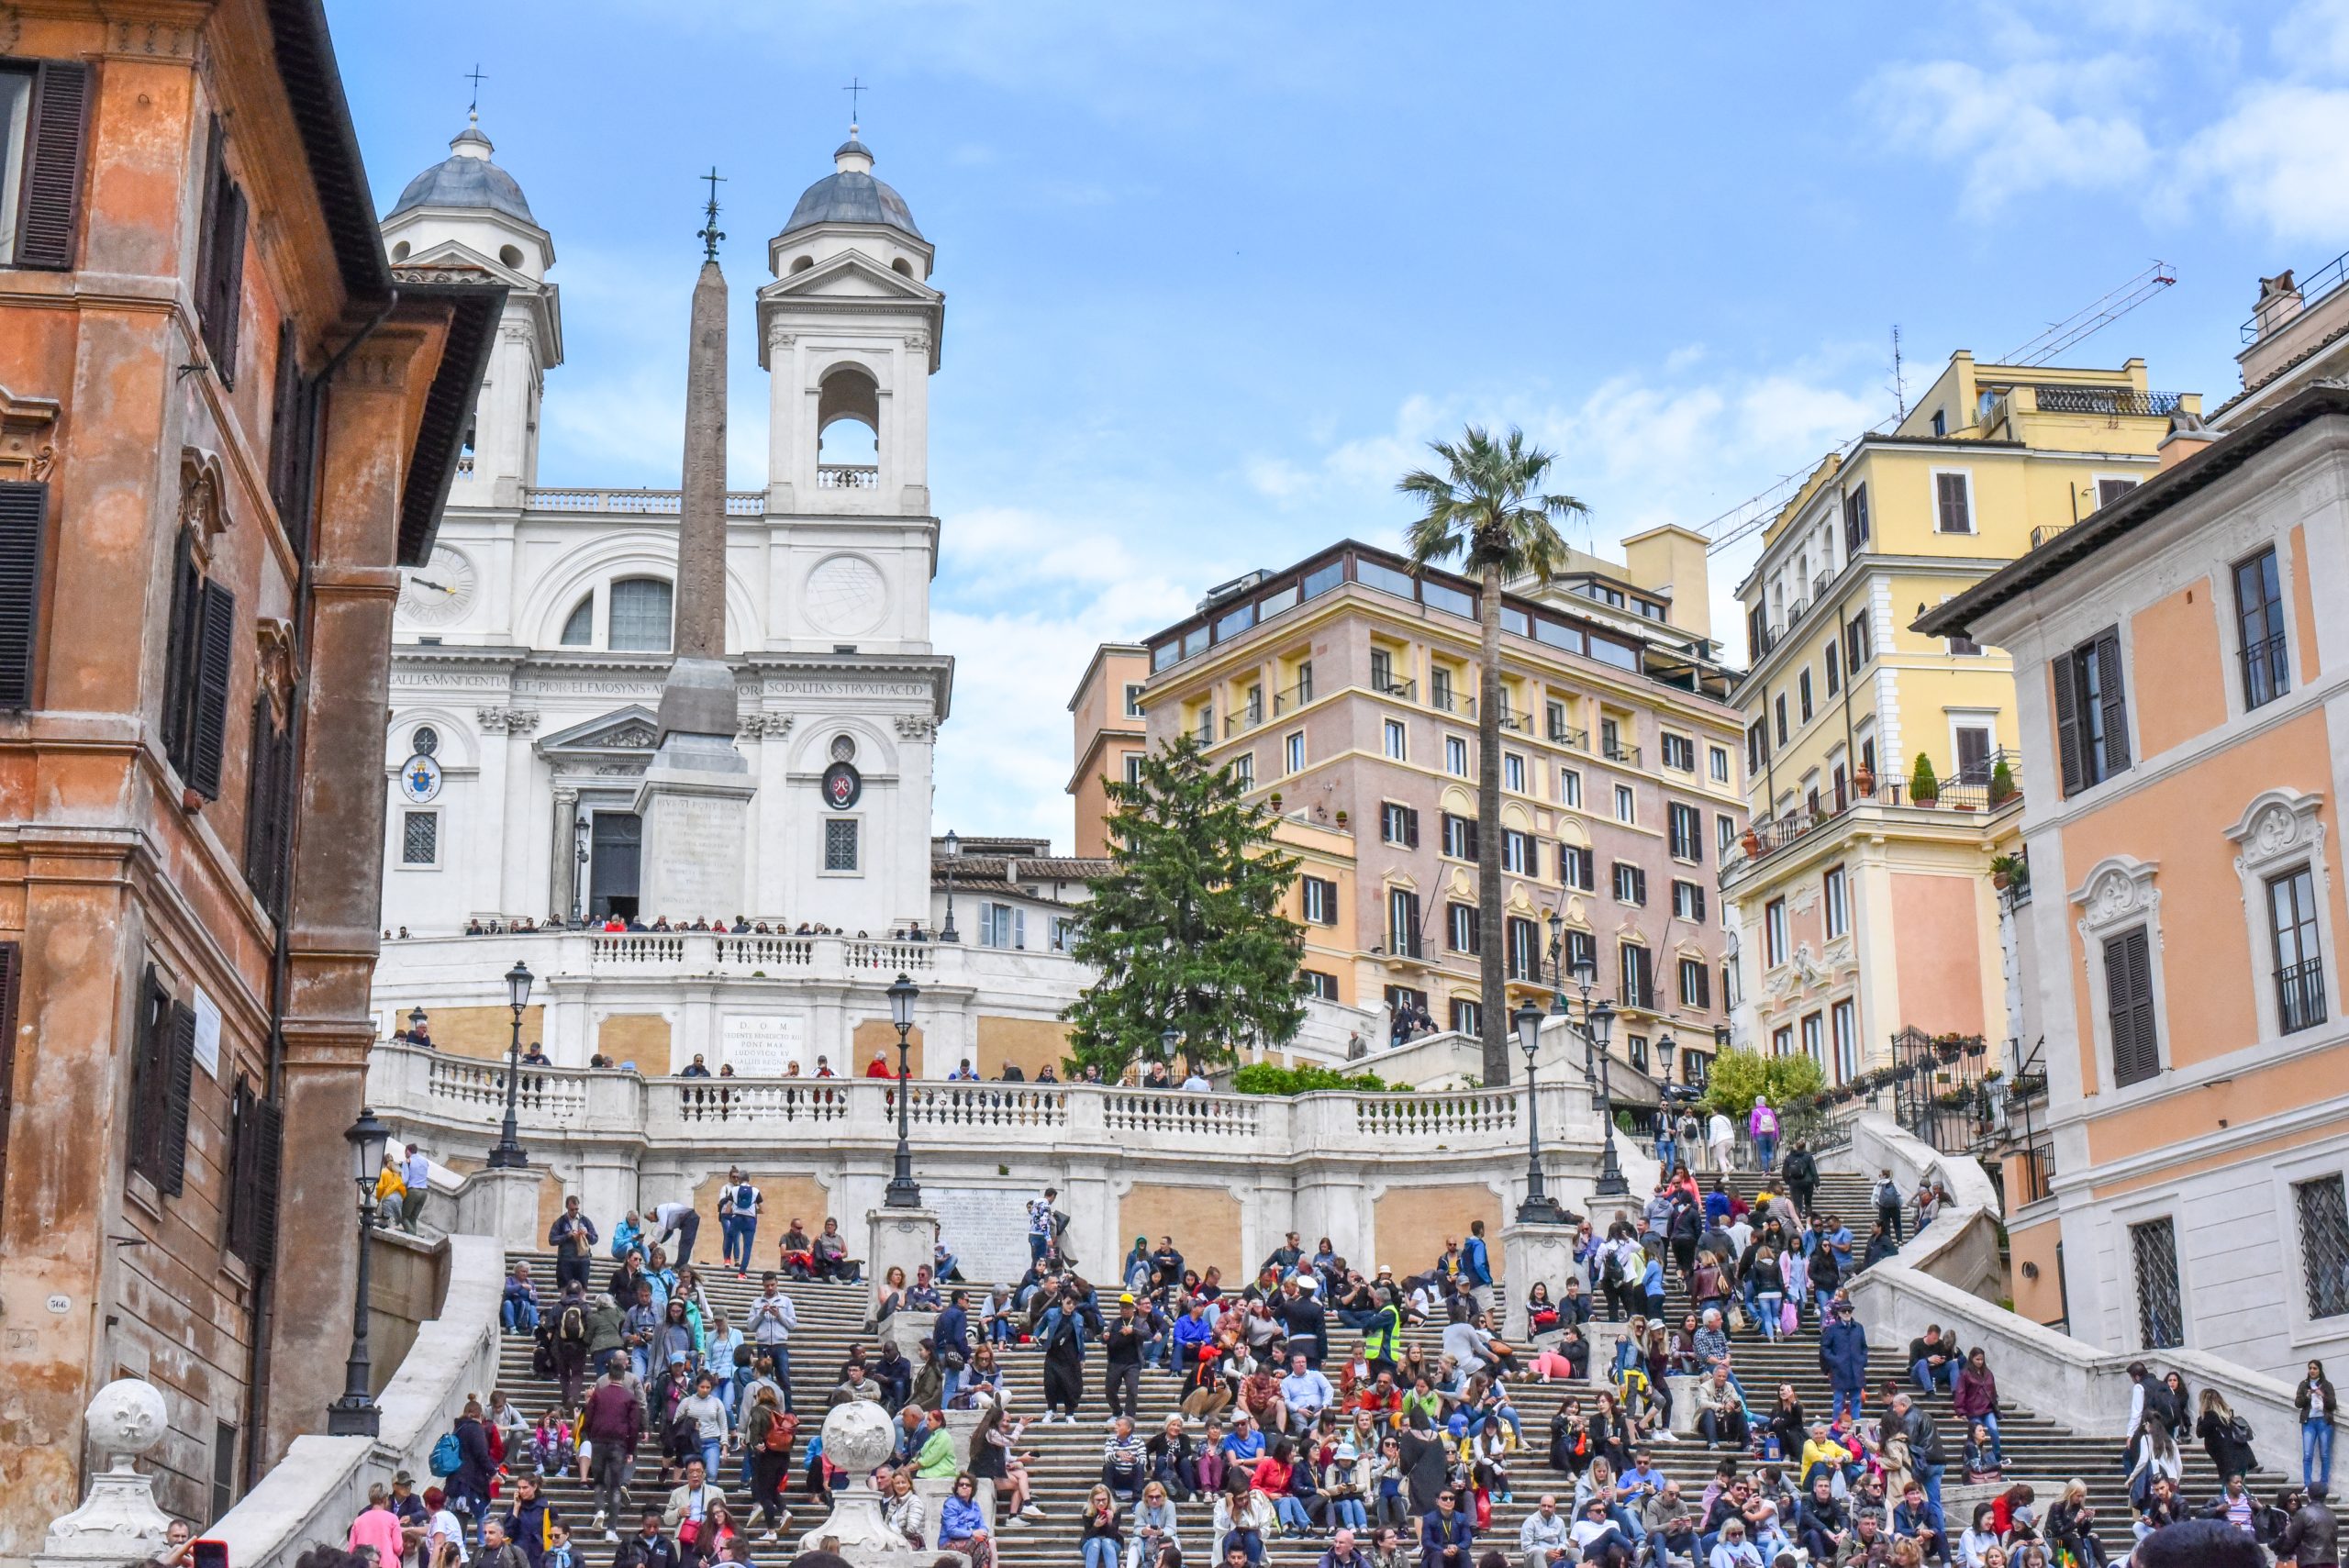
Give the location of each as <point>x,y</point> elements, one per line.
<point>118,1523</point>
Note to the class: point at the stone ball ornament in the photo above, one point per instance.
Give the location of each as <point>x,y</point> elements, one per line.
<point>856,1436</point>
<point>127,1419</point>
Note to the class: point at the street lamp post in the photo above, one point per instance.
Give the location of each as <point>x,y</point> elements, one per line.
<point>903,1192</point>
<point>1539,1207</point>
<point>1664,1049</point>
<point>1169,1038</point>
<point>355,1414</point>
<point>508,1155</point>
<point>946,933</point>
<point>1557,964</point>
<point>1599,1022</point>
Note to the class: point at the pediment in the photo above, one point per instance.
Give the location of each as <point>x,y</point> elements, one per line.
<point>851,274</point>
<point>633,729</point>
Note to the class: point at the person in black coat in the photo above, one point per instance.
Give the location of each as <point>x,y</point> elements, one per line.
<point>1427,1463</point>
<point>469,1484</point>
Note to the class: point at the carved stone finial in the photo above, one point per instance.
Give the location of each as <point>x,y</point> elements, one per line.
<point>118,1522</point>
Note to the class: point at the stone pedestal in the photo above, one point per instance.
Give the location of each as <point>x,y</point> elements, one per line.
<point>118,1523</point>
<point>503,1203</point>
<point>696,804</point>
<point>1604,1338</point>
<point>909,1329</point>
<point>902,1238</point>
<point>1682,1388</point>
<point>1531,1252</point>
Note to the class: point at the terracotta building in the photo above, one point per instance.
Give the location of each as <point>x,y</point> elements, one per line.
<point>2180,687</point>
<point>1340,691</point>
<point>224,423</point>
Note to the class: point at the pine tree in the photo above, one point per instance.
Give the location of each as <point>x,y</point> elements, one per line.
<point>1186,929</point>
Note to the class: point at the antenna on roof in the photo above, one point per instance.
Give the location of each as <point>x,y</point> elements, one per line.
<point>2094,317</point>
<point>1899,385</point>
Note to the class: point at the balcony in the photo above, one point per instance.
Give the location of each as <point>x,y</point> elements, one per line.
<point>2299,995</point>
<point>1296,697</point>
<point>2111,400</point>
<point>1389,686</point>
<point>2046,531</point>
<point>636,502</point>
<point>848,476</point>
<point>1574,739</point>
<point>1965,794</point>
<point>1520,722</point>
<point>1246,719</point>
<point>1616,752</point>
<point>1444,699</point>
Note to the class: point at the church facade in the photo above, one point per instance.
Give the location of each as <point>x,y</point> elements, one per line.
<point>530,651</point>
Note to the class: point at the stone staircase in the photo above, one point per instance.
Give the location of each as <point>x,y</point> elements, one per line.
<point>1068,1458</point>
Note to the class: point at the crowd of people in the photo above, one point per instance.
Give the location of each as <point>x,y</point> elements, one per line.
<point>1305,1409</point>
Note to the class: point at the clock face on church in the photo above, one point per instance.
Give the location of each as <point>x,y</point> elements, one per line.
<point>438,592</point>
<point>845,595</point>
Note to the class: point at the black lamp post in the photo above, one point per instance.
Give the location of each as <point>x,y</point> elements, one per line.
<point>417,1021</point>
<point>903,1192</point>
<point>1599,1022</point>
<point>1664,1049</point>
<point>954,853</point>
<point>1169,1038</point>
<point>508,1155</point>
<point>355,1414</point>
<point>1557,964</point>
<point>1539,1207</point>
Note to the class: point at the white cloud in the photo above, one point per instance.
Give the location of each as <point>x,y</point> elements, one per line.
<point>2029,125</point>
<point>2281,159</point>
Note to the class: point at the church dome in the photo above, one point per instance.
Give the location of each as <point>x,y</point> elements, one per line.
<point>851,195</point>
<point>467,178</point>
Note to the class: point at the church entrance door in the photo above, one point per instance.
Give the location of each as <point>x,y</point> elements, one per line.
<point>615,841</point>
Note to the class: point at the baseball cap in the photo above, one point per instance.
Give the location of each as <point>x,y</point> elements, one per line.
<point>1127,1299</point>
<point>402,1478</point>
<point>1307,1283</point>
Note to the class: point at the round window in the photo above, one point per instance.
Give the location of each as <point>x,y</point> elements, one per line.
<point>426,740</point>
<point>843,748</point>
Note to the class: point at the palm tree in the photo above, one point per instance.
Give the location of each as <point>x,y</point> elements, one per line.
<point>1488,511</point>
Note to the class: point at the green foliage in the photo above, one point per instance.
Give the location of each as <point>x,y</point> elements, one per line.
<point>2002,783</point>
<point>1739,1077</point>
<point>1923,788</point>
<point>1270,1078</point>
<point>1186,928</point>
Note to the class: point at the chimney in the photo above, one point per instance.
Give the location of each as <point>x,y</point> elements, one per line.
<point>2187,434</point>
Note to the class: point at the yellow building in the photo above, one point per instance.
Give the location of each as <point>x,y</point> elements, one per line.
<point>1859,904</point>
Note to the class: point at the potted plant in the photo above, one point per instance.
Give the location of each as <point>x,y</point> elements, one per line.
<point>1276,800</point>
<point>1751,842</point>
<point>2010,872</point>
<point>1924,789</point>
<point>1341,817</point>
<point>1865,779</point>
<point>2002,783</point>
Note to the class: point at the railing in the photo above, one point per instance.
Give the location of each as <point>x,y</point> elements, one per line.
<point>465,1080</point>
<point>778,952</point>
<point>1970,792</point>
<point>1188,1115</point>
<point>2271,318</point>
<point>1629,994</point>
<point>610,949</point>
<point>1444,699</point>
<point>2299,995</point>
<point>1512,719</point>
<point>2036,1167</point>
<point>1406,689</point>
<point>1246,719</point>
<point>636,502</point>
<point>1435,1115</point>
<point>848,476</point>
<point>2046,531</point>
<point>2266,670</point>
<point>1296,696</point>
<point>1577,740</point>
<point>1618,752</point>
<point>2106,400</point>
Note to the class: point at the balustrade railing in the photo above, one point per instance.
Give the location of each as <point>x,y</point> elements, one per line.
<point>1435,1115</point>
<point>609,949</point>
<point>634,503</point>
<point>466,1083</point>
<point>848,476</point>
<point>1183,1116</point>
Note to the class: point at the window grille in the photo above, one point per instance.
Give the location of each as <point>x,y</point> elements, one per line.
<point>420,839</point>
<point>2325,1245</point>
<point>2161,1311</point>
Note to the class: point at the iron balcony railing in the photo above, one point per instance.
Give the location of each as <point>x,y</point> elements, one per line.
<point>1444,699</point>
<point>2267,671</point>
<point>2314,288</point>
<point>1389,686</point>
<point>1968,790</point>
<point>1616,752</point>
<point>1296,696</point>
<point>2106,400</point>
<point>1632,993</point>
<point>2299,995</point>
<point>2046,531</point>
<point>1512,719</point>
<point>1562,735</point>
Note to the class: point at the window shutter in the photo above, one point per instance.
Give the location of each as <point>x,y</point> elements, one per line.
<point>2129,1007</point>
<point>216,661</point>
<point>179,1089</point>
<point>1639,885</point>
<point>269,1167</point>
<point>2068,720</point>
<point>1532,856</point>
<point>1470,823</point>
<point>1704,986</point>
<point>24,516</point>
<point>220,260</point>
<point>1698,890</point>
<point>2116,703</point>
<point>52,192</point>
<point>1411,829</point>
<point>144,1138</point>
<point>11,980</point>
<point>179,651</point>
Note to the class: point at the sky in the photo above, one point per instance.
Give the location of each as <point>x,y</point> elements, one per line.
<point>1217,273</point>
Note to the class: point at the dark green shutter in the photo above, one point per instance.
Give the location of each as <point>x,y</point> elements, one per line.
<point>2113,691</point>
<point>52,189</point>
<point>2066,677</point>
<point>23,520</point>
<point>215,664</point>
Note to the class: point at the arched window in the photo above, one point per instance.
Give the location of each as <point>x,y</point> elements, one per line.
<point>900,265</point>
<point>640,616</point>
<point>848,425</point>
<point>579,631</point>
<point>802,264</point>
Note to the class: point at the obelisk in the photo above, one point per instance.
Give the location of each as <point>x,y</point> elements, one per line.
<point>694,799</point>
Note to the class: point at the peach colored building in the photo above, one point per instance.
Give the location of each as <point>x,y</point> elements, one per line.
<point>2184,721</point>
<point>224,422</point>
<point>1106,721</point>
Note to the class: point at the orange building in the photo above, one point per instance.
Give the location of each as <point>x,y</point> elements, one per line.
<point>1105,718</point>
<point>2187,755</point>
<point>223,424</point>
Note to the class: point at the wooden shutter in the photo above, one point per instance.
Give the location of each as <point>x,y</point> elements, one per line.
<point>2129,1007</point>
<point>1704,986</point>
<point>23,520</point>
<point>179,652</point>
<point>2065,673</point>
<point>149,1055</point>
<point>268,808</point>
<point>2110,689</point>
<point>220,260</point>
<point>1470,824</point>
<point>51,203</point>
<point>179,1089</point>
<point>216,662</point>
<point>255,1172</point>
<point>1698,888</point>
<point>1411,830</point>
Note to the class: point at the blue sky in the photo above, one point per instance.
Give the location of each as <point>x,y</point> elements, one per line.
<point>1216,273</point>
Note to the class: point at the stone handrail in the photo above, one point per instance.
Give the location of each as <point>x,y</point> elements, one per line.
<point>417,1087</point>
<point>314,1493</point>
<point>2085,1387</point>
<point>1880,1143</point>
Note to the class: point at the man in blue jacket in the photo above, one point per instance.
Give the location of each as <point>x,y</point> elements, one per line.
<point>1844,1357</point>
<point>1476,1266</point>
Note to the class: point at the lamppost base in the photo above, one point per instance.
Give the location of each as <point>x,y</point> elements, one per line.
<point>903,1192</point>
<point>1543,1210</point>
<point>508,1157</point>
<point>354,1416</point>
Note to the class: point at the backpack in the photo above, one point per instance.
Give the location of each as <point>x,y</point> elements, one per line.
<point>571,1328</point>
<point>781,1429</point>
<point>2239,1430</point>
<point>447,1456</point>
<point>1887,1196</point>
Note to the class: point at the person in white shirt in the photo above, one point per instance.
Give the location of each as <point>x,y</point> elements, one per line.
<point>681,1221</point>
<point>443,1527</point>
<point>1721,1136</point>
<point>1542,1540</point>
<point>738,1218</point>
<point>1197,1083</point>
